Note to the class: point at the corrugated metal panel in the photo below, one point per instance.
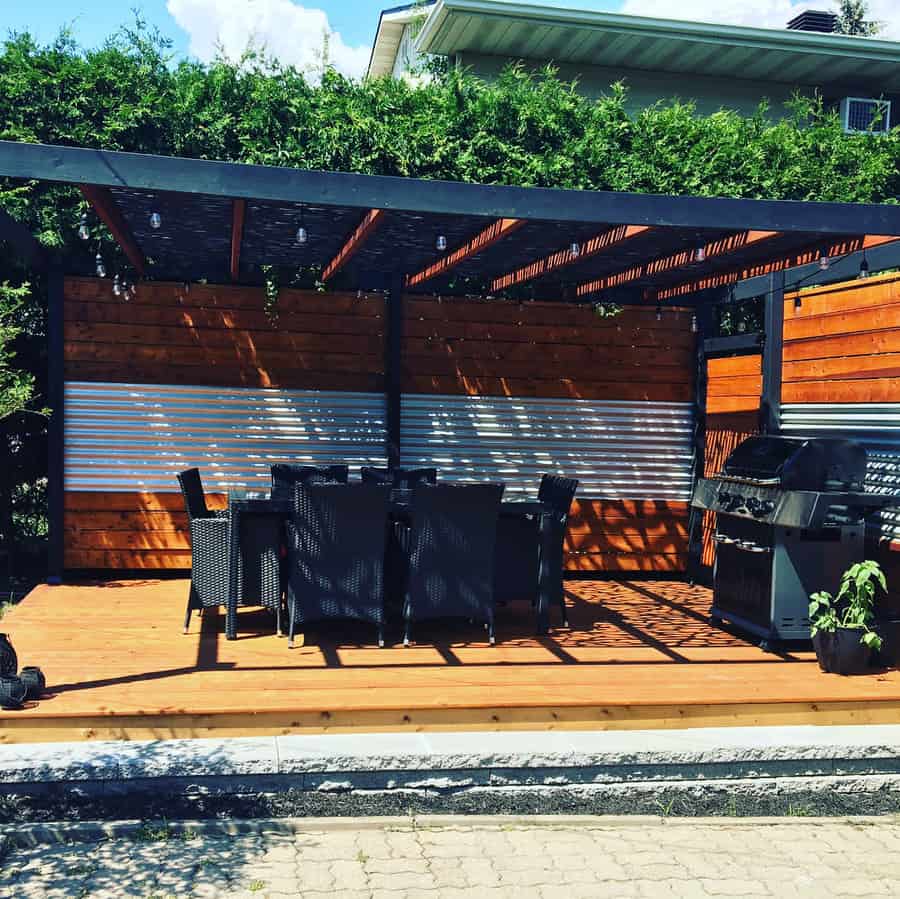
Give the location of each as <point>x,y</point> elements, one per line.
<point>138,436</point>
<point>617,450</point>
<point>875,425</point>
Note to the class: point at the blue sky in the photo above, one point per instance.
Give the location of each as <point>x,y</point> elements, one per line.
<point>292,29</point>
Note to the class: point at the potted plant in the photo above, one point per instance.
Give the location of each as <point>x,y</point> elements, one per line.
<point>841,626</point>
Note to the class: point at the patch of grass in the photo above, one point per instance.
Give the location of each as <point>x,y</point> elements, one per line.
<point>665,808</point>
<point>798,811</point>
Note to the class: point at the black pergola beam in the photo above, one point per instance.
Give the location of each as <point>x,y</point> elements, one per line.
<point>106,168</point>
<point>884,256</point>
<point>25,244</point>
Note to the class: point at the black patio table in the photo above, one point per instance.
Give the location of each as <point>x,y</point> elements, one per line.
<point>256,552</point>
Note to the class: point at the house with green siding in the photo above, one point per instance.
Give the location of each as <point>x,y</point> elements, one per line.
<point>714,65</point>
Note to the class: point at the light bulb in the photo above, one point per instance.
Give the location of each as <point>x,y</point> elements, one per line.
<point>864,268</point>
<point>101,268</point>
<point>700,254</point>
<point>155,221</point>
<point>694,325</point>
<point>302,235</point>
<point>824,262</point>
<point>575,250</point>
<point>798,302</point>
<point>441,243</point>
<point>659,313</point>
<point>84,232</point>
<point>117,286</point>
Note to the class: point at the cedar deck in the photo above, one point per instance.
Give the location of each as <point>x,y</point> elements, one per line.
<point>639,654</point>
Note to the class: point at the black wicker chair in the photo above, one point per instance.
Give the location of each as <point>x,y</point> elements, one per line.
<point>210,550</point>
<point>336,548</point>
<point>528,558</point>
<point>284,477</point>
<point>404,478</point>
<point>449,545</point>
<point>557,493</point>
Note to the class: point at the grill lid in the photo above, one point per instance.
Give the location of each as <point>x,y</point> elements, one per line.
<point>794,463</point>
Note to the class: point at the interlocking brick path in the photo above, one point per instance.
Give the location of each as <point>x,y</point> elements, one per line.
<point>473,858</point>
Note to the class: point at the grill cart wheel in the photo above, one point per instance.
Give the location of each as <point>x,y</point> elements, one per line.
<point>9,661</point>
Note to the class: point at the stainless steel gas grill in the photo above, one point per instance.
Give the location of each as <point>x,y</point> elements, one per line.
<point>790,519</point>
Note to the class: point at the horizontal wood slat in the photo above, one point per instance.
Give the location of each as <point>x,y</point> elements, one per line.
<point>843,344</point>
<point>223,336</point>
<point>627,535</point>
<point>734,387</point>
<point>546,350</point>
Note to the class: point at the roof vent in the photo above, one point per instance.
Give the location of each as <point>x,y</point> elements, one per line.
<point>814,20</point>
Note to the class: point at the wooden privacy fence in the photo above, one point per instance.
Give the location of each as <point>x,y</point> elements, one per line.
<point>203,375</point>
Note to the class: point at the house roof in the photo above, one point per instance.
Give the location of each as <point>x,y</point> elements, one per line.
<point>532,31</point>
<point>389,35</point>
<point>227,221</point>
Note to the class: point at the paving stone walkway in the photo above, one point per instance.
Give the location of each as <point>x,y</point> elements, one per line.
<point>471,859</point>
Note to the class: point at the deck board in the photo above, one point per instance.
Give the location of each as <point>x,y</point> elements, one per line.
<point>639,654</point>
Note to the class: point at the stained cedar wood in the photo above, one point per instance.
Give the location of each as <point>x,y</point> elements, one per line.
<point>843,344</point>
<point>149,530</point>
<point>221,336</point>
<point>638,655</point>
<point>734,386</point>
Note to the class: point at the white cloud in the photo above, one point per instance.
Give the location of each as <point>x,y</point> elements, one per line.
<point>291,33</point>
<point>759,13</point>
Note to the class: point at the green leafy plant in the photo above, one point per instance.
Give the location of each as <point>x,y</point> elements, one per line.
<point>854,606</point>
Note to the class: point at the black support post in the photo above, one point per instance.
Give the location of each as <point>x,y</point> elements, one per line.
<point>393,364</point>
<point>55,428</point>
<point>773,354</point>
<point>704,318</point>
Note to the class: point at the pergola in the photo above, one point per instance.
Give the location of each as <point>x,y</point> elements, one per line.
<point>223,222</point>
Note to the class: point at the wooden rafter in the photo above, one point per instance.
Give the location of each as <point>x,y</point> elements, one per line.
<point>716,248</point>
<point>238,211</point>
<point>488,237</point>
<point>596,245</point>
<point>101,199</point>
<point>794,259</point>
<point>360,235</point>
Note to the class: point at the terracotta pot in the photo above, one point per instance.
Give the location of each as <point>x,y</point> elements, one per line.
<point>842,653</point>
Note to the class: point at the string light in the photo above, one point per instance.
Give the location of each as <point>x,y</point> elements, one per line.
<point>441,243</point>
<point>864,267</point>
<point>117,286</point>
<point>700,254</point>
<point>798,302</point>
<point>575,250</point>
<point>84,232</point>
<point>155,221</point>
<point>302,233</point>
<point>658,313</point>
<point>695,327</point>
<point>101,268</point>
<point>824,261</point>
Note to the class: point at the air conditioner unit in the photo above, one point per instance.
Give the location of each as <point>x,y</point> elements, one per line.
<point>861,114</point>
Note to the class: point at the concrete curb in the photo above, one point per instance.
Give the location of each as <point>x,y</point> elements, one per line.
<point>728,771</point>
<point>30,835</point>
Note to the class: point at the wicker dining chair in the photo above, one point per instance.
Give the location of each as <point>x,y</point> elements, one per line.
<point>527,556</point>
<point>336,548</point>
<point>557,493</point>
<point>210,550</point>
<point>449,548</point>
<point>284,477</point>
<point>404,478</point>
